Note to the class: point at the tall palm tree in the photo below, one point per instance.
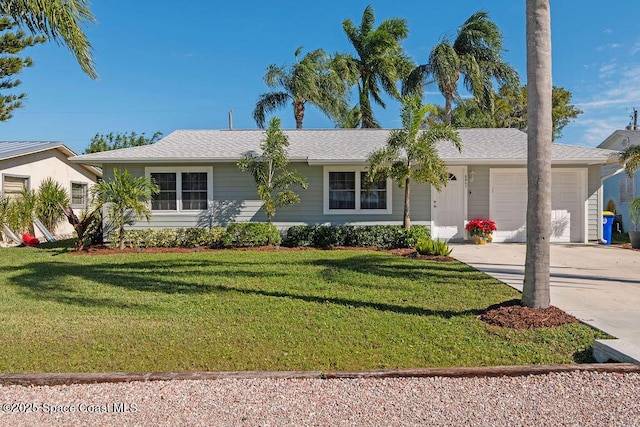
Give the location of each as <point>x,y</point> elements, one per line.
<point>124,197</point>
<point>536,290</point>
<point>309,80</point>
<point>411,152</point>
<point>379,64</point>
<point>57,20</point>
<point>475,54</point>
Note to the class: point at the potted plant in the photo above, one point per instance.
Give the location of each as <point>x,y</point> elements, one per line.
<point>634,214</point>
<point>480,230</point>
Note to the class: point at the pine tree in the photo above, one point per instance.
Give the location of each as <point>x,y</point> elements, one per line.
<point>12,42</point>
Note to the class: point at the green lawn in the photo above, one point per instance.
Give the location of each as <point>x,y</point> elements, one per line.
<point>245,310</point>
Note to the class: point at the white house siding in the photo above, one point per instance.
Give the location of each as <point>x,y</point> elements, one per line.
<point>594,203</point>
<point>50,163</point>
<point>235,200</point>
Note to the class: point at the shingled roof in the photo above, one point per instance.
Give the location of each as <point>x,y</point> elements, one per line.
<point>336,146</point>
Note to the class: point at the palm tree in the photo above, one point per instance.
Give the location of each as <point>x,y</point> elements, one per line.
<point>125,196</point>
<point>475,54</point>
<point>536,289</point>
<point>57,20</point>
<point>309,80</point>
<point>411,152</point>
<point>379,64</point>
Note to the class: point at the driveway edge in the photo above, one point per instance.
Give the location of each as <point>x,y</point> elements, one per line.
<point>53,379</point>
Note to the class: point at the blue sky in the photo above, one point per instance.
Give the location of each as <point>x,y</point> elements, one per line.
<point>164,67</point>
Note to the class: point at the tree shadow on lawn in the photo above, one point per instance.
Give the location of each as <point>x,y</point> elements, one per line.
<point>401,268</point>
<point>50,281</point>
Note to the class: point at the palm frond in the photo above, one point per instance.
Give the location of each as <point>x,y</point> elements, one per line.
<point>267,103</point>
<point>630,157</point>
<point>58,20</point>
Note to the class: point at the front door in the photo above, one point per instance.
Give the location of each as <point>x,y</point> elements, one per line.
<point>448,208</point>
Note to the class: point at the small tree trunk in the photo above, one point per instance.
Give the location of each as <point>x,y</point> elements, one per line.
<point>406,220</point>
<point>536,289</point>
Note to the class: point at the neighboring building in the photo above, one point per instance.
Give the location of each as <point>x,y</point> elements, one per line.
<point>201,184</point>
<point>25,164</point>
<point>617,185</point>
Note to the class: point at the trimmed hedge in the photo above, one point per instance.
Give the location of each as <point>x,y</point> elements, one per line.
<point>250,234</point>
<point>383,236</point>
<point>233,236</point>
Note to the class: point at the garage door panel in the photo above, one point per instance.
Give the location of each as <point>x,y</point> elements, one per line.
<point>508,205</point>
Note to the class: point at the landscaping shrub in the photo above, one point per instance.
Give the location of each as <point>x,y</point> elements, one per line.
<point>299,235</point>
<point>433,247</point>
<point>326,236</point>
<point>51,195</point>
<point>250,234</point>
<point>192,237</point>
<point>172,238</point>
<point>383,236</point>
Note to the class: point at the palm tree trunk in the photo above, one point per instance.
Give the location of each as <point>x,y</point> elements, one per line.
<point>536,293</point>
<point>298,113</point>
<point>406,220</point>
<point>121,237</point>
<point>366,113</point>
<point>447,108</point>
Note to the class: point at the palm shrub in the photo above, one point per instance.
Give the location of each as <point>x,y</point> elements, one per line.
<point>122,196</point>
<point>21,212</point>
<point>433,247</point>
<point>48,200</point>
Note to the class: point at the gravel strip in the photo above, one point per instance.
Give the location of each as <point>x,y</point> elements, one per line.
<point>567,399</point>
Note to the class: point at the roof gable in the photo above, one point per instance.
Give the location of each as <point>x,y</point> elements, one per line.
<point>621,139</point>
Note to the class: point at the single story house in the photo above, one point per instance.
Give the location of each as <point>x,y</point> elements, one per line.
<point>618,187</point>
<point>202,185</point>
<point>25,164</point>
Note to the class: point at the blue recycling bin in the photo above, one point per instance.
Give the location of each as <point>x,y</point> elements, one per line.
<point>607,226</point>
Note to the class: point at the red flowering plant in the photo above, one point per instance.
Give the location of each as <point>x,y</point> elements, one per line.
<point>482,228</point>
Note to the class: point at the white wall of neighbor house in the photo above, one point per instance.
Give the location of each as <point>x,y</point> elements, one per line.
<point>235,199</point>
<point>50,163</point>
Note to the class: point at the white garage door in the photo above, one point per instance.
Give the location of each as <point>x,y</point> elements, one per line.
<point>508,204</point>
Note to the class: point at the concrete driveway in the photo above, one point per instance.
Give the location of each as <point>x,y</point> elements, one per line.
<point>598,284</point>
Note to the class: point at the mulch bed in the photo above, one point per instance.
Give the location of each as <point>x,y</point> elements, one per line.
<point>625,246</point>
<point>105,250</point>
<point>511,314</point>
<point>412,253</point>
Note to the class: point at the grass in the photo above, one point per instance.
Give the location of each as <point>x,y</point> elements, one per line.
<point>619,237</point>
<point>244,310</point>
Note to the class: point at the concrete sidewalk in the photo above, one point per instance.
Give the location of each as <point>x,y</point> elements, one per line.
<point>599,285</point>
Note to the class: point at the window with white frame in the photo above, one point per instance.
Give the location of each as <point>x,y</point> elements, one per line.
<point>347,190</point>
<point>626,188</point>
<point>12,186</point>
<point>79,191</point>
<point>181,189</point>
